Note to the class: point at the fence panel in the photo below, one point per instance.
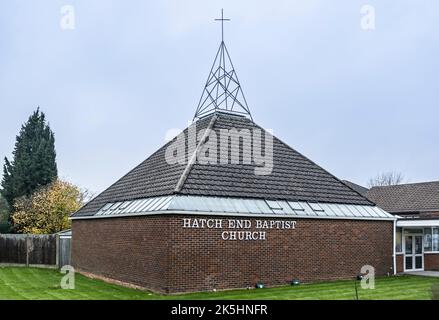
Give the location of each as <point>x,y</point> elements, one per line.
<point>13,248</point>
<point>28,249</point>
<point>42,249</point>
<point>64,251</point>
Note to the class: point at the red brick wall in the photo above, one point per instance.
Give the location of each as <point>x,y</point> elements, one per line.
<point>431,261</point>
<point>400,262</point>
<point>156,252</point>
<point>132,250</point>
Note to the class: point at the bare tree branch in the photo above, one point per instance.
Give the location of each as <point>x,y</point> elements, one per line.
<point>386,179</point>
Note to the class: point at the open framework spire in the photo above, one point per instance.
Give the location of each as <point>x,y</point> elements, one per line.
<point>222,91</point>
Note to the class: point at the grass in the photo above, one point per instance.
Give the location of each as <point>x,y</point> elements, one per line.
<point>17,283</point>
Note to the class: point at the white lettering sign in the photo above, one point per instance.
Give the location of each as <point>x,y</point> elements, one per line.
<point>255,230</point>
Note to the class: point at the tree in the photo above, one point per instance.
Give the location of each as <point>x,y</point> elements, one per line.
<point>48,209</point>
<point>4,215</point>
<point>386,179</point>
<point>34,163</point>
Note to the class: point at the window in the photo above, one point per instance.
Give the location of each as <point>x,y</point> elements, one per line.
<point>413,231</point>
<point>274,205</point>
<point>431,239</point>
<point>318,210</point>
<point>398,243</point>
<point>315,206</point>
<point>435,239</point>
<point>427,239</point>
<point>296,206</point>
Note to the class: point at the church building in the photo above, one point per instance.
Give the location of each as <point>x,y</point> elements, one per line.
<point>226,204</point>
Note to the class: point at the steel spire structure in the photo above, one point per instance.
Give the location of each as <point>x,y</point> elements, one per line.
<point>222,91</point>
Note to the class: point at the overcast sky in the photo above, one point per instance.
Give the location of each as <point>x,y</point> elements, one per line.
<point>357,102</point>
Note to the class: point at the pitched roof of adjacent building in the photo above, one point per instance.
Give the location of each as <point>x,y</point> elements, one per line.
<point>412,197</point>
<point>294,177</point>
<point>360,189</point>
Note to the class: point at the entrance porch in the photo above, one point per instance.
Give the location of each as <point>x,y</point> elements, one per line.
<point>417,245</point>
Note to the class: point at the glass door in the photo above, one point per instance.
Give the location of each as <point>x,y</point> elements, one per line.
<point>413,253</point>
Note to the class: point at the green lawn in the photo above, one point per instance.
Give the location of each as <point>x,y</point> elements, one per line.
<point>34,283</point>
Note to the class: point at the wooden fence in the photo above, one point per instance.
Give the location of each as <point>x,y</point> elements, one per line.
<point>34,250</point>
<point>64,251</point>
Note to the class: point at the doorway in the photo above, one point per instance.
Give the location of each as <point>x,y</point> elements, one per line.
<point>413,252</point>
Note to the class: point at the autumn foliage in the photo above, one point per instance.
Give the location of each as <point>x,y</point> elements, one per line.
<point>47,210</point>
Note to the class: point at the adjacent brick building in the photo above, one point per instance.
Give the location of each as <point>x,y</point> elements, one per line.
<point>417,234</point>
<point>416,205</point>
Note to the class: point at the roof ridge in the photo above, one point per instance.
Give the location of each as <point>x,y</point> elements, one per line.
<point>194,156</point>
<point>346,183</point>
<point>406,184</point>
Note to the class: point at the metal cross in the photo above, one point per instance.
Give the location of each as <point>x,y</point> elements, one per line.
<point>222,24</point>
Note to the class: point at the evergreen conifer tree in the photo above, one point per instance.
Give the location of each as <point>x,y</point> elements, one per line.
<point>34,160</point>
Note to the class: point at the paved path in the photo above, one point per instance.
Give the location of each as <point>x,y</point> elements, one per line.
<point>424,273</point>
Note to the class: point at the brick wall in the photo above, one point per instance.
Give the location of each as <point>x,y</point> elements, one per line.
<point>431,261</point>
<point>399,262</point>
<point>131,250</point>
<point>157,253</point>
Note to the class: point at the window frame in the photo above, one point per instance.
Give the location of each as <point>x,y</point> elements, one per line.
<point>434,232</point>
<point>401,232</point>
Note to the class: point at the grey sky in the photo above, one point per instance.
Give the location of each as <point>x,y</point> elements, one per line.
<point>356,102</point>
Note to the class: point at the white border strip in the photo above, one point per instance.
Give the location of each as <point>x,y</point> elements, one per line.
<point>394,246</point>
<point>229,214</point>
<point>418,223</point>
